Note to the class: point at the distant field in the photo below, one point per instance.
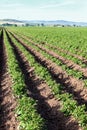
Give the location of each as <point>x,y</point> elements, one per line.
<point>69,37</point>
<point>48,67</point>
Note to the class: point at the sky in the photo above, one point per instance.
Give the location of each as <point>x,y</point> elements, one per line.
<point>71,10</point>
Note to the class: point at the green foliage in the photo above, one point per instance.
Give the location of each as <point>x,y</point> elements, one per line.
<point>26,110</point>
<point>27,114</point>
<point>70,106</point>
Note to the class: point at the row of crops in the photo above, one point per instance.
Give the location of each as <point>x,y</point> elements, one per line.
<point>48,69</point>
<point>70,39</point>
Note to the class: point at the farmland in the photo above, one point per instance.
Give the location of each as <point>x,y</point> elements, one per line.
<point>43,78</point>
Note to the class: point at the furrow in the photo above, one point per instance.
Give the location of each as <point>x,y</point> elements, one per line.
<point>72,85</point>
<point>47,105</point>
<point>7,101</point>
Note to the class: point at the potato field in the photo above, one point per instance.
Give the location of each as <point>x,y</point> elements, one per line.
<point>43,78</point>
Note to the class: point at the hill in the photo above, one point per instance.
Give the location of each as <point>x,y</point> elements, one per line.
<point>47,23</point>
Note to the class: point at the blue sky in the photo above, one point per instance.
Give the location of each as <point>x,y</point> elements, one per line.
<point>75,10</point>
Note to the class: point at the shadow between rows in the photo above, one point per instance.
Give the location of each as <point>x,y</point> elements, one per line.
<point>55,120</point>
<point>67,87</point>
<point>4,92</point>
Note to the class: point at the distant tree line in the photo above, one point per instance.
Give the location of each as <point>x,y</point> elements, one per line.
<point>8,24</point>
<point>39,25</point>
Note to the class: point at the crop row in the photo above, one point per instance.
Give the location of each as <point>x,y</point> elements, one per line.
<point>69,63</point>
<point>62,52</point>
<point>70,39</point>
<point>49,100</point>
<point>7,100</point>
<point>70,106</point>
<point>71,68</point>
<point>29,120</point>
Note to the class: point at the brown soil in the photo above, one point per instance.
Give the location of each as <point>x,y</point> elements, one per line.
<point>65,61</point>
<point>72,85</point>
<point>7,101</point>
<point>84,60</point>
<point>67,52</point>
<point>48,106</point>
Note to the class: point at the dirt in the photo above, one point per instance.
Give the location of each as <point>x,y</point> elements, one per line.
<point>65,61</point>
<point>69,53</point>
<point>84,60</point>
<point>7,100</point>
<point>69,63</point>
<point>47,105</point>
<point>72,85</point>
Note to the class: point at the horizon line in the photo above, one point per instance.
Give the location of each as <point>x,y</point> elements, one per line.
<point>41,20</point>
